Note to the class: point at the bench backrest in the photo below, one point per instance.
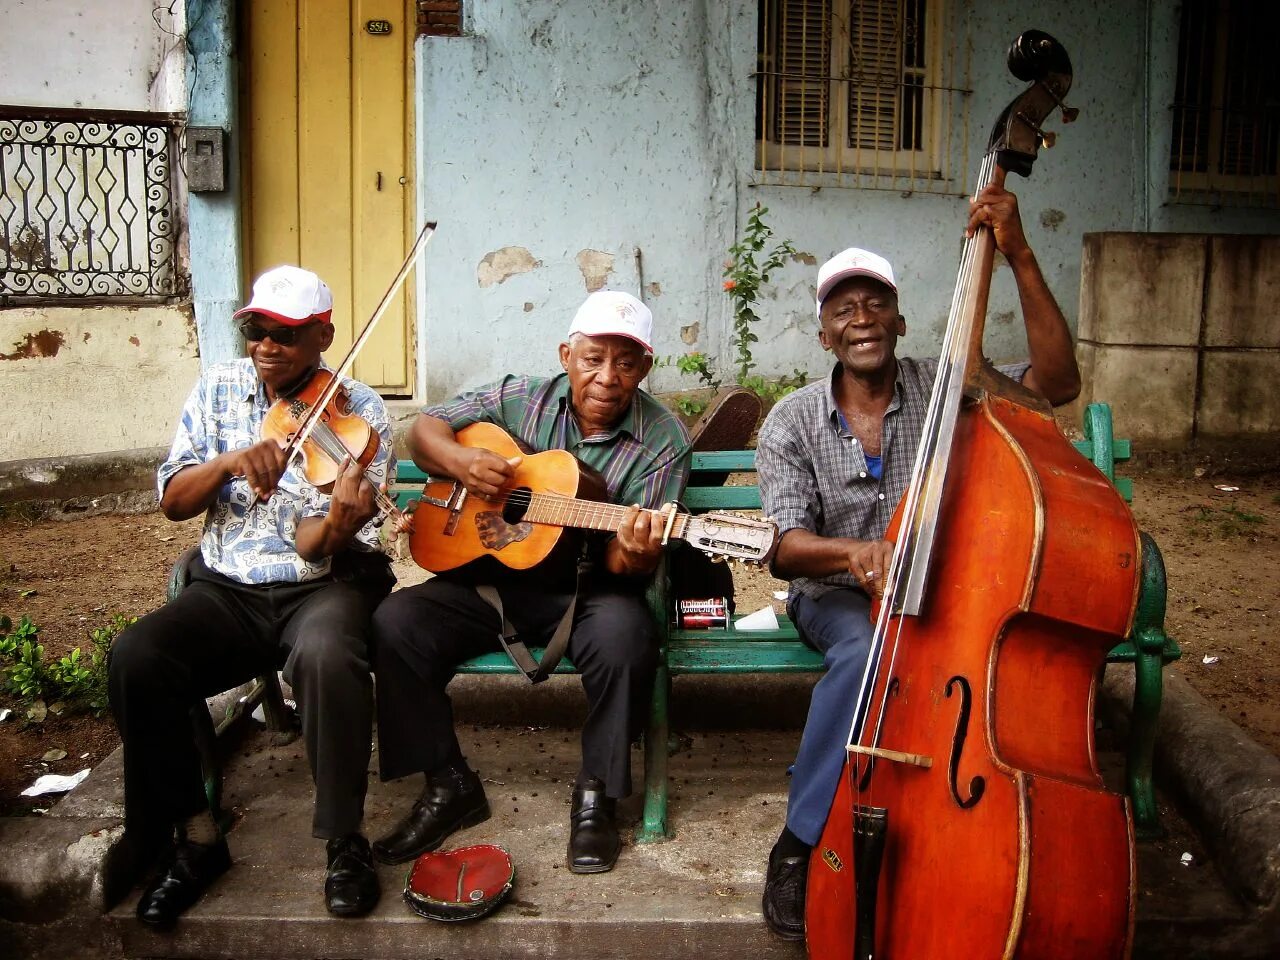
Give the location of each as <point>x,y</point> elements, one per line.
<point>1099,446</point>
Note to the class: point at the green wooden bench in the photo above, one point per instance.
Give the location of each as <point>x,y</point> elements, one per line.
<point>782,651</point>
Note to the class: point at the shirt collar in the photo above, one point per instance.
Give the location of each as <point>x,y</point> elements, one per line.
<point>833,411</point>
<point>632,422</point>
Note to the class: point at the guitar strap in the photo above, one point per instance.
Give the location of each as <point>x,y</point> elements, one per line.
<point>535,671</point>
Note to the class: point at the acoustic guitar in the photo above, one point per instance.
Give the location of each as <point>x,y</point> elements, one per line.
<point>551,492</point>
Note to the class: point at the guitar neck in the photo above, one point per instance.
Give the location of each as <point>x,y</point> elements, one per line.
<point>560,511</point>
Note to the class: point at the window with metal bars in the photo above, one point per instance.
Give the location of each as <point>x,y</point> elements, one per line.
<point>1226,113</point>
<point>855,89</point>
<point>87,206</point>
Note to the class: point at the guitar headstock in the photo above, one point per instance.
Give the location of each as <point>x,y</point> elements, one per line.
<point>731,537</point>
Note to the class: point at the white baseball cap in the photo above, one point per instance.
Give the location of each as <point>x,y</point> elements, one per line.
<point>853,262</point>
<point>614,313</point>
<point>291,295</point>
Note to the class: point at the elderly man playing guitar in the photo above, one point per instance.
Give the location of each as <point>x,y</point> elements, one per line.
<point>596,411</point>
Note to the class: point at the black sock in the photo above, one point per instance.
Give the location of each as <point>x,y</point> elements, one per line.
<point>789,845</point>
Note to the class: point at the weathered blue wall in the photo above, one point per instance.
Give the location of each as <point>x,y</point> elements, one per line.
<point>563,127</point>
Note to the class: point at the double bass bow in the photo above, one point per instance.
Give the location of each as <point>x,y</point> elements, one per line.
<point>970,818</point>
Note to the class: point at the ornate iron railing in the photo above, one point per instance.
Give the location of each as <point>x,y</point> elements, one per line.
<point>87,206</point>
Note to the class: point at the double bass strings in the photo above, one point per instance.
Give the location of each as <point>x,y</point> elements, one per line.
<point>932,457</point>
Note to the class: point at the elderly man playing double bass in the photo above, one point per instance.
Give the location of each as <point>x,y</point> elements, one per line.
<point>596,410</point>
<point>286,576</point>
<point>834,458</point>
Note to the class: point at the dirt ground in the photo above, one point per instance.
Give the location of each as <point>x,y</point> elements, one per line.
<point>1220,537</point>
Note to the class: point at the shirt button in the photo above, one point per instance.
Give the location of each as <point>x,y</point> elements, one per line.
<point>882,496</point>
<point>863,474</point>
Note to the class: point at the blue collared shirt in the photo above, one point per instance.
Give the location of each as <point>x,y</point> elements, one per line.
<point>256,542</point>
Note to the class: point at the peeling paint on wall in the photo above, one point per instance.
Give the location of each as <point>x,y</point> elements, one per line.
<point>500,265</point>
<point>135,341</point>
<point>808,259</point>
<point>689,334</point>
<point>655,289</point>
<point>595,266</point>
<point>1052,219</point>
<point>46,343</point>
<point>528,307</point>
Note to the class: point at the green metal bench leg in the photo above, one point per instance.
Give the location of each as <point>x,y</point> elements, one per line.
<point>653,824</point>
<point>1147,694</point>
<point>1149,642</point>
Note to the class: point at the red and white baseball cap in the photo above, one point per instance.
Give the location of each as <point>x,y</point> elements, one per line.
<point>853,262</point>
<point>291,295</point>
<point>614,313</point>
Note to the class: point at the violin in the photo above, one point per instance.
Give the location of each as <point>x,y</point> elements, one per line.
<point>338,435</point>
<point>316,422</point>
<point>970,819</point>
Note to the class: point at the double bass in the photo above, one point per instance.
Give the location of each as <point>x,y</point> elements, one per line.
<point>970,819</point>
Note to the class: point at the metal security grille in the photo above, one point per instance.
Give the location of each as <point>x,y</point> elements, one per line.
<point>87,206</point>
<point>856,92</point>
<point>1226,118</point>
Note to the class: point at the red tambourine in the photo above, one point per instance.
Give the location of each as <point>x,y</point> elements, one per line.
<point>462,884</point>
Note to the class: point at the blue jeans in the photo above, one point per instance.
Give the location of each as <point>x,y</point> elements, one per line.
<point>838,625</point>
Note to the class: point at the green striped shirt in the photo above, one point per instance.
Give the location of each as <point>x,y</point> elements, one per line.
<point>644,458</point>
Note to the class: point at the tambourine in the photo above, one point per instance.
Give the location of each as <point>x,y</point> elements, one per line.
<point>462,884</point>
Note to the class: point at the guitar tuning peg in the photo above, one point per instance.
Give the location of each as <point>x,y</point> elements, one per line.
<point>1048,138</point>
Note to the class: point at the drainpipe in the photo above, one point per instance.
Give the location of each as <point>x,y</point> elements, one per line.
<point>214,218</point>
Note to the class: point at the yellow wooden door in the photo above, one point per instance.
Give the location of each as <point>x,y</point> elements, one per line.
<point>326,95</point>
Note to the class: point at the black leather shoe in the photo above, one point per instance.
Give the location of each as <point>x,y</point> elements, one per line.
<point>784,889</point>
<point>350,884</point>
<point>593,830</point>
<point>454,799</point>
<point>188,871</point>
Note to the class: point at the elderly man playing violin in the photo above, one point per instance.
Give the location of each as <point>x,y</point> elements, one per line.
<point>597,411</point>
<point>834,458</point>
<point>287,575</point>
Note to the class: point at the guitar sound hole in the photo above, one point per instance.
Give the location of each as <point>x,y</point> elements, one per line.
<point>517,503</point>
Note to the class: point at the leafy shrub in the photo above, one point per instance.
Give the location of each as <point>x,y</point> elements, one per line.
<point>77,681</point>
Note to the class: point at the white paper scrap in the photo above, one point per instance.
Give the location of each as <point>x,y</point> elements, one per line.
<point>1208,660</point>
<point>762,619</point>
<point>55,783</point>
<point>779,594</point>
<point>1186,859</point>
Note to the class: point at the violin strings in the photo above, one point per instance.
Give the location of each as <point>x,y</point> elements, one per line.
<point>332,446</point>
<point>947,387</point>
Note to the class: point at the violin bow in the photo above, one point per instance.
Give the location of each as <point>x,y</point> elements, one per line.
<point>335,384</point>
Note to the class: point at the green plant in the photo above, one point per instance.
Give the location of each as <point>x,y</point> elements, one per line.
<point>747,270</point>
<point>74,679</point>
<point>1227,521</point>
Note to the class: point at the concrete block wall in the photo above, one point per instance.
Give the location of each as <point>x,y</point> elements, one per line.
<point>1180,334</point>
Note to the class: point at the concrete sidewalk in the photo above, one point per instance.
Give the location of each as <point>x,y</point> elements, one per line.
<point>698,895</point>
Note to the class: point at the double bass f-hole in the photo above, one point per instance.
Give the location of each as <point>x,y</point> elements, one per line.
<point>977,785</point>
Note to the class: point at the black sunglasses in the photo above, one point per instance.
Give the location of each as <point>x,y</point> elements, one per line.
<point>282,336</point>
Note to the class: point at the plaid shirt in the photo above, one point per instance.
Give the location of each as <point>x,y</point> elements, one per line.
<point>813,473</point>
<point>644,459</point>
<point>255,542</point>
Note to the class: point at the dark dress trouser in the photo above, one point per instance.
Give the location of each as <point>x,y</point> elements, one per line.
<point>421,634</point>
<point>219,633</point>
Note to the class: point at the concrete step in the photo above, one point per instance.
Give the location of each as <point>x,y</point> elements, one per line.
<point>695,896</point>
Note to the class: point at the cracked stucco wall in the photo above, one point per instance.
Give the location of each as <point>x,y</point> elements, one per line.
<point>88,380</point>
<point>571,130</point>
<point>91,380</point>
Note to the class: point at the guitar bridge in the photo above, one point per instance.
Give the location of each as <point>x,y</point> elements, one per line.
<point>452,504</point>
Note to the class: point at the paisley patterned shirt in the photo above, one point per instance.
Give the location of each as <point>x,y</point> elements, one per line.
<point>248,542</point>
